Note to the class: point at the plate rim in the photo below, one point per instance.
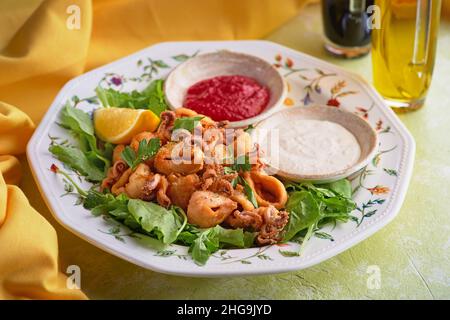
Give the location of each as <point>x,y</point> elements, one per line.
<point>390,212</point>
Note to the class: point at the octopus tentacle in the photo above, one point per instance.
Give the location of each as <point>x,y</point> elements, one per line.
<point>119,186</point>
<point>113,174</point>
<point>165,128</point>
<point>268,221</point>
<point>117,153</point>
<point>272,228</point>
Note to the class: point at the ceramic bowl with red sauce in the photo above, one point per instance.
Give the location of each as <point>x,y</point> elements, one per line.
<point>225,85</point>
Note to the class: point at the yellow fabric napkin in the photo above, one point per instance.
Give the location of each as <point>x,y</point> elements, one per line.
<point>41,48</point>
<point>28,244</point>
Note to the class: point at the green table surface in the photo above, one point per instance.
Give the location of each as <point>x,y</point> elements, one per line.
<point>412,252</point>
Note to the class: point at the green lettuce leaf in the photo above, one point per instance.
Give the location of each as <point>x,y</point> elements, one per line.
<point>151,98</point>
<point>312,206</point>
<point>86,157</point>
<point>106,203</point>
<point>303,212</point>
<point>341,187</point>
<point>154,219</point>
<point>76,120</point>
<point>204,246</point>
<point>187,123</point>
<point>78,161</point>
<point>206,242</point>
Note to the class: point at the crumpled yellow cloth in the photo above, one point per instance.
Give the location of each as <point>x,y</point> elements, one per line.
<point>39,52</point>
<point>28,244</point>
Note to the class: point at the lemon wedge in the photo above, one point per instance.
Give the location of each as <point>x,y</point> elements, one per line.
<point>119,125</point>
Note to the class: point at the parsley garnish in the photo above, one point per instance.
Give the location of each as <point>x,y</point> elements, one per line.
<point>188,123</point>
<point>145,151</point>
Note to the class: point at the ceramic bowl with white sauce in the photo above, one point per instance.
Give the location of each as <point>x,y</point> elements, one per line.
<point>226,63</point>
<point>316,143</point>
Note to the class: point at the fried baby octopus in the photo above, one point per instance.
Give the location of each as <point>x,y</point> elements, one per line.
<point>212,192</point>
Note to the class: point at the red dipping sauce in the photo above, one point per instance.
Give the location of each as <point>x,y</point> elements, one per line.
<point>230,98</point>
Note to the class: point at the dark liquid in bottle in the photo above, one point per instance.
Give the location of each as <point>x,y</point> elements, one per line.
<point>345,22</point>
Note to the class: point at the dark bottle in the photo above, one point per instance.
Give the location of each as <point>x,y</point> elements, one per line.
<point>346,27</point>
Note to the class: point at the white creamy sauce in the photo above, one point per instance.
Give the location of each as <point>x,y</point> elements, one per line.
<point>316,147</point>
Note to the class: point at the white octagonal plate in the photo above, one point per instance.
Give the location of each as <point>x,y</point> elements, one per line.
<point>380,189</point>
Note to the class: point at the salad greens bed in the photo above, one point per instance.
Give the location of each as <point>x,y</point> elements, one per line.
<point>310,206</point>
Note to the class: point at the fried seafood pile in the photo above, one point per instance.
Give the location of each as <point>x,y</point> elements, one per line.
<point>212,191</point>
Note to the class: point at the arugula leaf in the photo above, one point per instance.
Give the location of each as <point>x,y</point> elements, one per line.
<point>140,216</point>
<point>311,207</point>
<point>78,161</point>
<point>106,203</point>
<point>88,155</point>
<point>309,234</point>
<point>249,238</point>
<point>188,234</point>
<point>148,241</point>
<point>156,98</point>
<point>318,190</point>
<point>154,219</point>
<point>303,212</point>
<point>187,237</point>
<point>76,120</point>
<point>146,150</point>
<point>177,212</point>
<point>341,187</point>
<point>205,242</point>
<point>204,246</point>
<point>113,98</point>
<point>188,123</point>
<point>233,237</point>
<point>337,207</point>
<point>95,198</point>
<point>151,98</point>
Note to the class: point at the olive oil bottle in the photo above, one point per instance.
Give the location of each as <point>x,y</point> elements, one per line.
<point>404,51</point>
